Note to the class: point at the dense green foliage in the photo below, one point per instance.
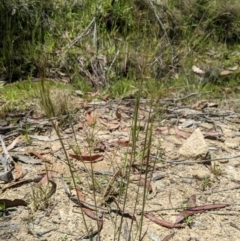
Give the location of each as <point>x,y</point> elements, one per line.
<point>99,42</point>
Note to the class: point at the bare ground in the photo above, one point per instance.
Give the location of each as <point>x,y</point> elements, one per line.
<point>175,173</point>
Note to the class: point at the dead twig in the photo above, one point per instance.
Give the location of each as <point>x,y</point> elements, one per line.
<point>84,33</point>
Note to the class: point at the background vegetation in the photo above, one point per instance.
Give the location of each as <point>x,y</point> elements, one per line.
<point>99,43</point>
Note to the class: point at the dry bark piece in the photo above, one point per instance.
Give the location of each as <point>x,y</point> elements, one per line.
<point>20,183</point>
<point>27,159</point>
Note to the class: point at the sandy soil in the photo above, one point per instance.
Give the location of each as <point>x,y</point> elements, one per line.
<point>176,172</point>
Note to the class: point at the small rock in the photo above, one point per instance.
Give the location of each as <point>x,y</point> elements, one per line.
<point>195,146</point>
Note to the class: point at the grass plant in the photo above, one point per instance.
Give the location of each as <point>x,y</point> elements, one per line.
<point>206,183</point>
<point>107,188</point>
<point>48,108</point>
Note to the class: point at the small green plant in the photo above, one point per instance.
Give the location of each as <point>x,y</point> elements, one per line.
<point>206,182</point>
<point>188,220</point>
<point>26,134</point>
<point>64,237</point>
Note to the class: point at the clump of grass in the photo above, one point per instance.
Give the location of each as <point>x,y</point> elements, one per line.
<point>60,100</point>
<point>105,189</point>
<point>40,197</point>
<point>48,108</point>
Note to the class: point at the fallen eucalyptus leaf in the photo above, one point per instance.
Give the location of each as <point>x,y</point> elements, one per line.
<point>93,158</point>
